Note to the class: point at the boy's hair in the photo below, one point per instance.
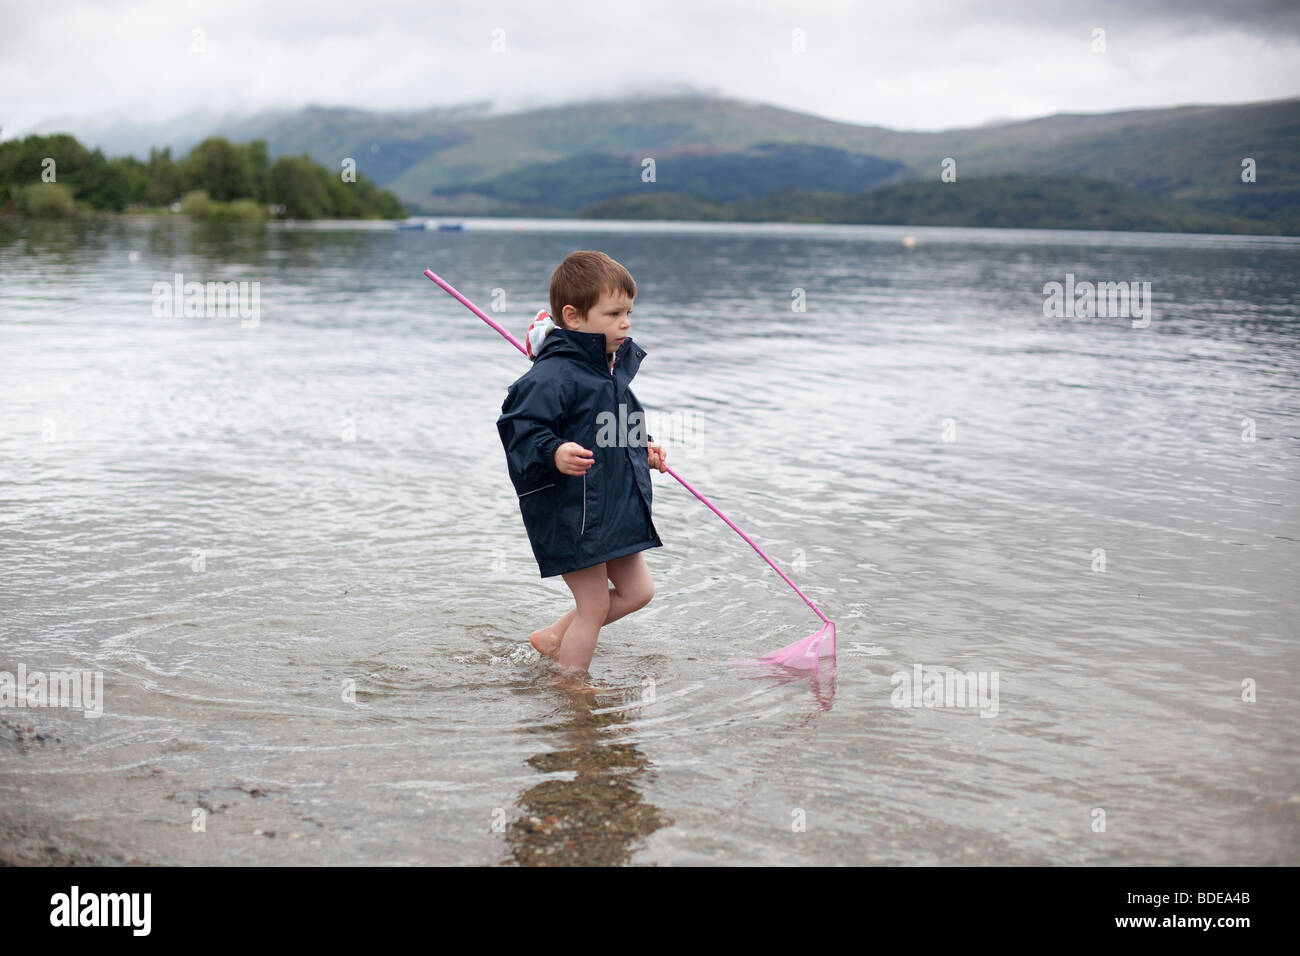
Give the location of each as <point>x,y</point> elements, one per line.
<point>582,278</point>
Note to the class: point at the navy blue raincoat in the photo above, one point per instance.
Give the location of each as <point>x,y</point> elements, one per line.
<point>573,521</point>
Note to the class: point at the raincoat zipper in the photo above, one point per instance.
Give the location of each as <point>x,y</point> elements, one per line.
<point>583,529</point>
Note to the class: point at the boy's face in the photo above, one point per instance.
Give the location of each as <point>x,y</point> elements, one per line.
<point>612,315</point>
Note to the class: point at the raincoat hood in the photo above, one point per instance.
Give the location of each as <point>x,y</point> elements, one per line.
<point>543,325</point>
<point>547,340</point>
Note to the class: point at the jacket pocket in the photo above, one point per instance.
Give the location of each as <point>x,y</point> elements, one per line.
<point>641,473</point>
<point>589,511</point>
<point>538,507</point>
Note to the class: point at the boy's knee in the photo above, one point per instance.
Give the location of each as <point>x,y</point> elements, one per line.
<point>598,605</point>
<point>647,594</point>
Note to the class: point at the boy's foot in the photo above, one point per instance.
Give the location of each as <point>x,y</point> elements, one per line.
<point>575,681</point>
<point>545,641</point>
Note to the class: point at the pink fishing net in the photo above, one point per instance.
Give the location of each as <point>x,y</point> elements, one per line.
<point>805,654</point>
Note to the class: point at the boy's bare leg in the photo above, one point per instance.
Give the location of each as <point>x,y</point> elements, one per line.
<point>633,588</point>
<point>592,597</point>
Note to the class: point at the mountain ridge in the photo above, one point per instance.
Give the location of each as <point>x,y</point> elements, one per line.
<point>460,160</point>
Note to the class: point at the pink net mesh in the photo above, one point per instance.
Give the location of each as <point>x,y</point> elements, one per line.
<point>805,654</point>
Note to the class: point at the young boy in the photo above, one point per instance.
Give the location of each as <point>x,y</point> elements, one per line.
<point>579,457</point>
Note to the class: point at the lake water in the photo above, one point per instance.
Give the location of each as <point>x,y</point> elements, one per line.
<point>290,546</point>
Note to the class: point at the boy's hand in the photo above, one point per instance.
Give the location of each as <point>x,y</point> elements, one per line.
<point>658,457</point>
<point>572,459</point>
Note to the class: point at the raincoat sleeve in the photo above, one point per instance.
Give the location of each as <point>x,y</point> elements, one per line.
<point>529,426</point>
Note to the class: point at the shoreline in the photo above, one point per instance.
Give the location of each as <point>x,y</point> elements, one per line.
<point>28,841</point>
<point>613,222</point>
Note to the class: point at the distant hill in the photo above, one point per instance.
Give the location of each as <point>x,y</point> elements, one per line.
<point>1011,201</point>
<point>559,188</point>
<point>719,152</point>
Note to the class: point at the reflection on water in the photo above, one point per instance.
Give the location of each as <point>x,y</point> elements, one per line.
<point>597,816</point>
<point>293,551</point>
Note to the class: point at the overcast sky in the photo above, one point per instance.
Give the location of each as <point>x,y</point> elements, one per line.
<point>907,65</point>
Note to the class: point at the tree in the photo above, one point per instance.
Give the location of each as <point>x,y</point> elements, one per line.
<point>221,170</point>
<point>164,178</point>
<point>113,184</point>
<point>298,184</point>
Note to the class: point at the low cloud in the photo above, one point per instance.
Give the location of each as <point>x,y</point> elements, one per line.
<point>930,65</point>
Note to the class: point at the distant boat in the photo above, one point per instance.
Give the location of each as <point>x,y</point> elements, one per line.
<point>413,224</point>
<point>451,227</point>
